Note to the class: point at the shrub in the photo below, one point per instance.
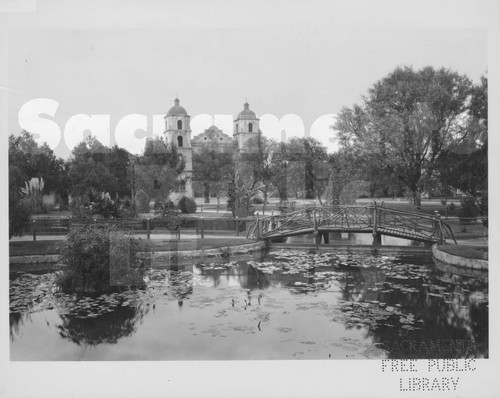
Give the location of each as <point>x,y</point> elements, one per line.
<point>257,200</point>
<point>95,204</point>
<point>187,205</point>
<point>468,208</point>
<point>452,209</point>
<point>126,208</point>
<point>98,259</point>
<point>169,205</point>
<point>19,216</point>
<point>142,202</point>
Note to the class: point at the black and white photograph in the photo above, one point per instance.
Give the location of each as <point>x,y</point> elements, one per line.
<point>249,198</point>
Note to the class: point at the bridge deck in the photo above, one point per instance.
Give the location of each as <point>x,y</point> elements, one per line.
<point>368,219</point>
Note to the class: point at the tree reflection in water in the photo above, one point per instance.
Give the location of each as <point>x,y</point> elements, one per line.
<point>107,328</point>
<point>407,308</point>
<point>450,312</point>
<point>179,285</point>
<point>16,322</point>
<point>238,274</point>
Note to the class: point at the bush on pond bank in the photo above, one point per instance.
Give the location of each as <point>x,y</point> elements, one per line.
<point>98,259</point>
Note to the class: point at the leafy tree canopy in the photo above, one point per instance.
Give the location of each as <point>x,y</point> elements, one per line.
<point>32,160</point>
<point>95,166</point>
<point>211,169</point>
<point>406,121</point>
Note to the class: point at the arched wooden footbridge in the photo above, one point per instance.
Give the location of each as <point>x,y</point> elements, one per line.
<point>377,220</point>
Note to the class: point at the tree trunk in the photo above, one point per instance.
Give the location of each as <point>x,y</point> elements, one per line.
<point>417,200</point>
<point>206,192</point>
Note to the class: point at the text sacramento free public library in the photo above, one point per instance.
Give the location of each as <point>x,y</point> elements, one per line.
<point>412,384</point>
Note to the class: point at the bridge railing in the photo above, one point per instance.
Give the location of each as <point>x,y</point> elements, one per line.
<point>374,218</point>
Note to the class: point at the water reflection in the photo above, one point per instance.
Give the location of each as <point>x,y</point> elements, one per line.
<point>179,285</point>
<point>227,274</point>
<point>351,239</point>
<point>107,328</point>
<point>16,322</point>
<point>449,315</point>
<point>391,306</point>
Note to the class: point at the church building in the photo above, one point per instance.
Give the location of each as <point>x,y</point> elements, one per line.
<point>178,133</point>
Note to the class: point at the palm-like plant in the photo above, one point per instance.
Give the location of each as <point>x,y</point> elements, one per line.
<point>33,195</point>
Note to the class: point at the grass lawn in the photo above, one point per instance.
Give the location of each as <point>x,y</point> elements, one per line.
<point>30,248</point>
<point>474,252</point>
<point>191,244</point>
<point>43,247</point>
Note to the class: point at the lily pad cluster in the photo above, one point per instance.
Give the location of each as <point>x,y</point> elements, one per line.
<point>374,314</point>
<point>30,292</point>
<point>39,292</point>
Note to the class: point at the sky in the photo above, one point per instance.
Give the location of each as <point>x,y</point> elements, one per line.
<point>305,59</point>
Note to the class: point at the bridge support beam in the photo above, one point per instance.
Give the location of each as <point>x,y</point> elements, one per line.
<point>377,239</point>
<point>318,235</point>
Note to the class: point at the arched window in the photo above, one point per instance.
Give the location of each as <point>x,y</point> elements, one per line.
<point>179,124</point>
<point>236,127</point>
<point>250,126</point>
<point>180,141</point>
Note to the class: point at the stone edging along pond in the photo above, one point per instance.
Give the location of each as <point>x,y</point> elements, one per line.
<point>459,261</point>
<point>53,259</point>
<point>215,252</point>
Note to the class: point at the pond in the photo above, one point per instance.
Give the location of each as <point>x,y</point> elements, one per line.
<point>285,305</point>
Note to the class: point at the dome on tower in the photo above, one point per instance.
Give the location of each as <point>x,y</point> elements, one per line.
<point>177,110</point>
<point>246,113</point>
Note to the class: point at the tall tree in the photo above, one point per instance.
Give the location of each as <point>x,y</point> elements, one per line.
<point>306,153</point>
<point>95,166</point>
<point>259,153</point>
<point>406,121</point>
<point>36,161</point>
<point>211,169</point>
<point>278,170</point>
<point>157,171</point>
<point>27,160</point>
<point>465,165</point>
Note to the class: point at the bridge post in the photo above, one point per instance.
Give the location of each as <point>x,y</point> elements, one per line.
<point>377,237</point>
<point>439,227</point>
<point>315,222</point>
<point>317,235</point>
<point>257,227</point>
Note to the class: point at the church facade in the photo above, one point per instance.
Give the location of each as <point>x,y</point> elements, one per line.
<point>178,133</point>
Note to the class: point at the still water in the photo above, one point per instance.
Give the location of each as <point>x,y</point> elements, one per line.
<point>285,305</point>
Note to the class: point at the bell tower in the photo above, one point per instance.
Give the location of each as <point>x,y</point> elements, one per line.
<point>178,133</point>
<point>246,126</point>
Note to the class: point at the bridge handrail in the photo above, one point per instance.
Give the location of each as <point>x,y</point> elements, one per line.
<point>370,207</point>
<point>413,220</point>
<point>418,214</point>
